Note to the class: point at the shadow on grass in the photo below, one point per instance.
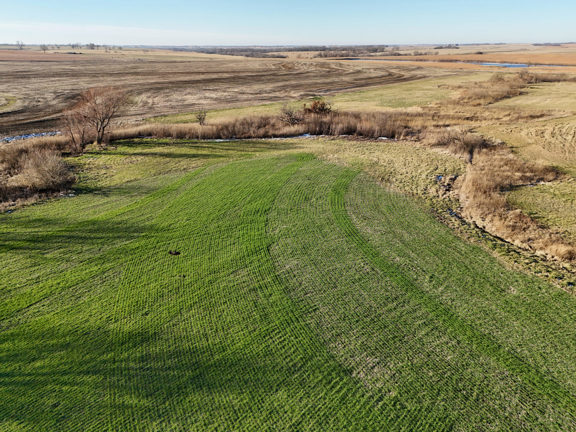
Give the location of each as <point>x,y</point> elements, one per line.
<point>74,377</point>
<point>224,147</point>
<point>169,155</point>
<point>73,239</point>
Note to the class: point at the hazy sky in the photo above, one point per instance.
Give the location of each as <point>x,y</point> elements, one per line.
<point>180,22</point>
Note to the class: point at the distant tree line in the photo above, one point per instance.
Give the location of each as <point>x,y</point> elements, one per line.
<point>273,52</point>
<point>244,52</point>
<point>74,45</point>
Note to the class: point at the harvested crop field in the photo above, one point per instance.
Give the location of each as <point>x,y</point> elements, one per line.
<point>165,83</point>
<point>250,286</point>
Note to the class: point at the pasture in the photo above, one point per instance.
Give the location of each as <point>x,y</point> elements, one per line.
<point>251,286</point>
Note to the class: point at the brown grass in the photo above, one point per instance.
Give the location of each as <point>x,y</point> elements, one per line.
<point>32,167</point>
<point>394,125</point>
<point>459,142</point>
<point>492,171</point>
<point>42,171</point>
<point>495,171</point>
<point>13,155</point>
<point>502,86</point>
<point>498,87</point>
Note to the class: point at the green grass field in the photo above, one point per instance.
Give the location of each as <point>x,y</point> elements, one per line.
<point>305,297</point>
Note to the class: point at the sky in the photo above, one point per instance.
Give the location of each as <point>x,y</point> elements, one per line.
<point>292,22</point>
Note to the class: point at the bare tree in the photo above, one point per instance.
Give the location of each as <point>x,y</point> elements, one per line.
<point>291,116</point>
<point>20,45</point>
<point>201,117</point>
<point>44,48</point>
<point>91,117</point>
<point>75,127</point>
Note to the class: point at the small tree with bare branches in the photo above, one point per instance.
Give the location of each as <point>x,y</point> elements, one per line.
<point>75,127</point>
<point>44,48</point>
<point>91,117</point>
<point>20,45</point>
<point>291,116</point>
<point>201,117</point>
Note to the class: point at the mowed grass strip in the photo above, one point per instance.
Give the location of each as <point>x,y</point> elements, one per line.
<point>431,324</point>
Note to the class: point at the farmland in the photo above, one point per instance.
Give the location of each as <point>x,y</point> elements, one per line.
<point>304,296</point>
<point>40,85</point>
<point>338,280</point>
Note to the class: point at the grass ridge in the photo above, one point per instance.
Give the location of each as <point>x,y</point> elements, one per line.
<point>457,325</point>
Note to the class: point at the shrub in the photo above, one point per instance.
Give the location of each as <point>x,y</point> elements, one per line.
<point>318,106</point>
<point>43,170</point>
<point>290,116</point>
<point>201,117</point>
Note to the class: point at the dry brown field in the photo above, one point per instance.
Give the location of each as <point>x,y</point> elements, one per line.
<point>528,54</point>
<point>36,87</point>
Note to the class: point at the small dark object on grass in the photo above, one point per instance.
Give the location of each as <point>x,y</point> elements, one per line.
<point>175,253</point>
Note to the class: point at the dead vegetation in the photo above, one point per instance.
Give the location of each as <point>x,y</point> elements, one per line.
<point>492,171</point>
<point>289,123</point>
<point>502,86</point>
<point>457,141</point>
<point>33,168</point>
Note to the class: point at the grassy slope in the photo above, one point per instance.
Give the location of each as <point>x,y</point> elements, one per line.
<point>553,204</point>
<point>433,324</point>
<point>304,298</point>
<point>547,141</point>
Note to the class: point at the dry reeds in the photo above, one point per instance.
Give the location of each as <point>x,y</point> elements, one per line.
<point>42,171</point>
<point>459,142</point>
<point>394,125</point>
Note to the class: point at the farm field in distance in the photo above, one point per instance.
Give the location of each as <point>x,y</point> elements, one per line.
<point>41,85</point>
<point>355,270</point>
